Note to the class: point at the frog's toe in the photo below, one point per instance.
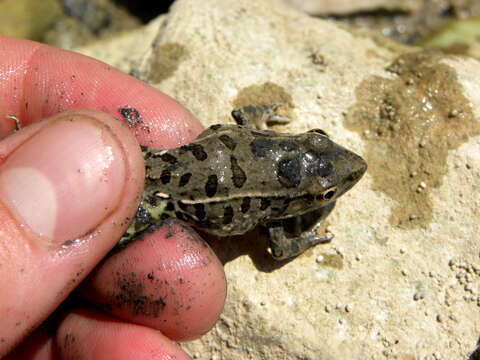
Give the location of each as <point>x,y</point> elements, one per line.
<point>283,247</point>
<point>259,115</point>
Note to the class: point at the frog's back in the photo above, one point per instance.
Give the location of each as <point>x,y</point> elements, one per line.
<point>230,162</point>
<point>233,177</point>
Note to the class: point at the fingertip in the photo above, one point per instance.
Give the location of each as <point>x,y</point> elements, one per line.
<point>39,246</point>
<point>169,280</point>
<point>46,176</point>
<point>88,334</point>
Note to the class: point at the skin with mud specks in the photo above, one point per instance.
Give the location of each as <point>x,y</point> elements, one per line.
<point>233,178</point>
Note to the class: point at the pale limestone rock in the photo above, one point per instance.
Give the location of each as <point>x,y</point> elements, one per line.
<point>325,7</point>
<point>395,280</point>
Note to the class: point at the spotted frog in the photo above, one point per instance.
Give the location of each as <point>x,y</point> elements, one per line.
<point>235,177</point>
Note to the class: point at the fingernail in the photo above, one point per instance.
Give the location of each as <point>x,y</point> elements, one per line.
<point>62,182</point>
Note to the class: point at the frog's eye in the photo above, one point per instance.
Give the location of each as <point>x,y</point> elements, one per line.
<point>327,194</point>
<point>319,132</point>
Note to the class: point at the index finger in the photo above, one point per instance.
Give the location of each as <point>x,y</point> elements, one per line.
<point>39,81</point>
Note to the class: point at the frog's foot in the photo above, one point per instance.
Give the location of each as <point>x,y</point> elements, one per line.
<point>283,247</point>
<point>259,115</point>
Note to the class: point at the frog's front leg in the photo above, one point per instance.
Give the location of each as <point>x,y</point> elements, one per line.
<point>259,115</point>
<point>282,246</point>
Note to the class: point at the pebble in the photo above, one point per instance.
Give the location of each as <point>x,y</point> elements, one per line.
<point>454,113</point>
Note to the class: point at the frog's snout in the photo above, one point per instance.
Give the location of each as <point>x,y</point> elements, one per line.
<point>354,168</point>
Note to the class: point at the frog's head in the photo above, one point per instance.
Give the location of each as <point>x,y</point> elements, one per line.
<point>326,170</point>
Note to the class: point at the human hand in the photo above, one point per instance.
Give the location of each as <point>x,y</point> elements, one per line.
<point>68,187</point>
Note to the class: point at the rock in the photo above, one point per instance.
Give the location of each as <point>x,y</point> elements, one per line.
<point>64,24</point>
<point>28,18</point>
<point>460,36</point>
<point>87,20</point>
<point>329,7</point>
<point>406,235</point>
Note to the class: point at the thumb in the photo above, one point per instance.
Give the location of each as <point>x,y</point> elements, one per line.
<point>67,188</point>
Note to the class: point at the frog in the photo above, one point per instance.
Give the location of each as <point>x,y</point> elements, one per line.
<point>235,177</point>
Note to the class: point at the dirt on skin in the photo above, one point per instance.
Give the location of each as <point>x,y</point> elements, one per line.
<point>409,123</point>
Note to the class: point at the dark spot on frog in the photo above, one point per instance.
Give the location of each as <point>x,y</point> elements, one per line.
<point>197,151</point>
<point>227,215</point>
<point>211,185</point>
<point>287,201</point>
<point>278,210</point>
<point>288,172</point>
<point>200,211</point>
<point>132,116</point>
<point>264,203</point>
<point>228,142</point>
<point>184,179</point>
<point>261,146</point>
<point>170,206</point>
<point>181,205</point>
<point>288,146</point>
<point>165,176</point>
<point>245,206</point>
<point>216,127</point>
<point>180,215</point>
<point>168,158</point>
<point>238,175</point>
<point>319,132</point>
<point>316,165</point>
<point>150,276</point>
